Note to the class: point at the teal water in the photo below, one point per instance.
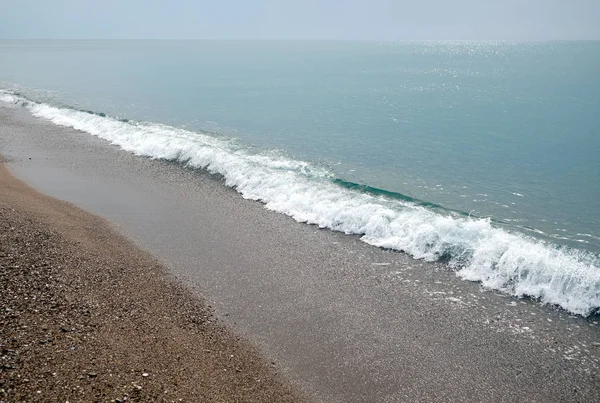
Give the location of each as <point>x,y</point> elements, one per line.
<point>499,130</point>
<point>503,130</point>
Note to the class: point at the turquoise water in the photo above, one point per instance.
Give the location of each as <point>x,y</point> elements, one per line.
<point>499,130</point>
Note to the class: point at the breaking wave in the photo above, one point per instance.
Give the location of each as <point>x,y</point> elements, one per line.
<point>477,249</point>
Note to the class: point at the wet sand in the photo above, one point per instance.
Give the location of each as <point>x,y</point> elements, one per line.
<point>342,320</point>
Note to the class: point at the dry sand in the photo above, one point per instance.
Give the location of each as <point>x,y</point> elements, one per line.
<point>87,316</point>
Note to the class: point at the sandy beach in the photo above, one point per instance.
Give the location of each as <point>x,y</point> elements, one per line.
<point>341,320</point>
<point>87,316</point>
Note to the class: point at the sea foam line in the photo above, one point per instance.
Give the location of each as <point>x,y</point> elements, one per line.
<point>513,263</point>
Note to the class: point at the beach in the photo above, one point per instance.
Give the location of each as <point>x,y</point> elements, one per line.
<point>87,316</point>
<point>340,320</point>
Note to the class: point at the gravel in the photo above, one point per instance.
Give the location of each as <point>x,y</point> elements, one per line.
<point>87,316</point>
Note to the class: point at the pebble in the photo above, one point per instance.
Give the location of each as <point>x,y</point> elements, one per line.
<point>44,319</point>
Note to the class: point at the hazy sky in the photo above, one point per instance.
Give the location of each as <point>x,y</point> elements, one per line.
<point>302,19</point>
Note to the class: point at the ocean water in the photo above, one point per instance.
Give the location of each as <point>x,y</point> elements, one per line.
<point>482,155</point>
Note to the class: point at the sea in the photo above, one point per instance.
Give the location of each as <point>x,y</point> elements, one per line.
<point>483,156</point>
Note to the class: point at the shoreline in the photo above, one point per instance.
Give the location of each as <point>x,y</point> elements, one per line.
<point>481,250</point>
<point>88,316</point>
<point>343,320</point>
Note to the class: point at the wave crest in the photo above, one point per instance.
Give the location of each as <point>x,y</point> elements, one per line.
<point>513,263</point>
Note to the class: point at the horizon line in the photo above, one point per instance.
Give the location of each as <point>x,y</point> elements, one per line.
<point>305,39</point>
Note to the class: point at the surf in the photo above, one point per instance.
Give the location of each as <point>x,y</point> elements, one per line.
<point>476,248</point>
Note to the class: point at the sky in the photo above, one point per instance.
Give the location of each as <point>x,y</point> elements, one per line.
<point>387,20</point>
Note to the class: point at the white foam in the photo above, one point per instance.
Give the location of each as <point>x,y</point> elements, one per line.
<point>516,264</point>
<point>9,98</point>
